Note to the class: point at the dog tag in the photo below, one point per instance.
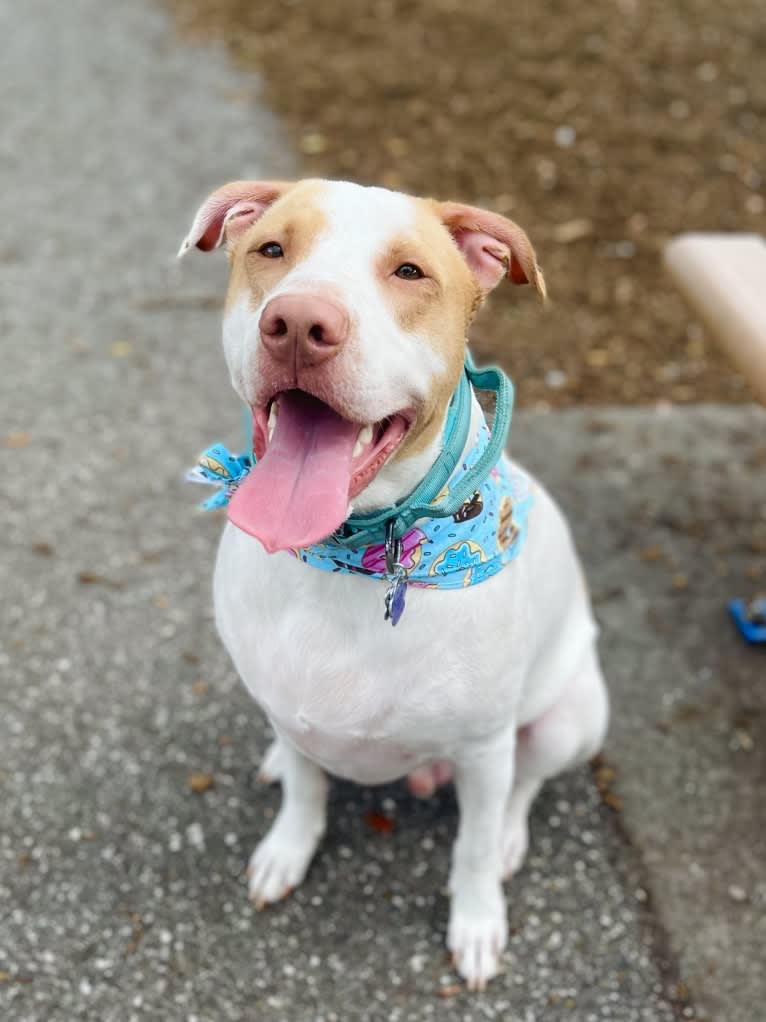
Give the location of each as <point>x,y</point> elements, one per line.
<point>397,577</point>
<point>395,597</point>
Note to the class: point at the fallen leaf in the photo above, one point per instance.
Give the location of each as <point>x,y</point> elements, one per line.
<point>92,578</point>
<point>42,548</point>
<point>121,349</point>
<point>379,823</point>
<point>16,440</point>
<point>605,776</point>
<point>200,688</point>
<point>651,553</point>
<point>200,782</point>
<point>451,991</point>
<point>138,932</point>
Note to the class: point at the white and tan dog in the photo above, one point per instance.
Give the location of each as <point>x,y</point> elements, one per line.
<point>344,332</point>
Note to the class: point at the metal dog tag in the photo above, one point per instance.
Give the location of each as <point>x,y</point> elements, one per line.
<point>397,577</point>
<point>395,597</point>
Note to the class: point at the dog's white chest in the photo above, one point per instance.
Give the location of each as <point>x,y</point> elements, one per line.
<point>362,699</point>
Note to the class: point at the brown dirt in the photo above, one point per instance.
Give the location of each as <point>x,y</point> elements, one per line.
<point>603,128</point>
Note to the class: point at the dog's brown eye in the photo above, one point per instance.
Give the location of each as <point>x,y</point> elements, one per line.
<point>409,271</point>
<point>272,250</point>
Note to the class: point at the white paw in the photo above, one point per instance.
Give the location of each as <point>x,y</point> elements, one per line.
<point>278,865</point>
<point>515,845</point>
<point>476,938</point>
<point>271,769</point>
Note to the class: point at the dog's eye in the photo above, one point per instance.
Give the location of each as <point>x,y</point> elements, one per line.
<point>409,271</point>
<point>272,250</point>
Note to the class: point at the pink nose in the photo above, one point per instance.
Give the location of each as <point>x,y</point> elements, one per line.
<point>303,330</point>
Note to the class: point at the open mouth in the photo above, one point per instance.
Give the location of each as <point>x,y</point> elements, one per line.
<point>373,444</point>
<point>311,462</point>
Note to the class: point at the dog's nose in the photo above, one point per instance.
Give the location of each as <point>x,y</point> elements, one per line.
<point>303,329</point>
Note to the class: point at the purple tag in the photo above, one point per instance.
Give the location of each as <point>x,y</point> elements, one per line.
<point>395,598</point>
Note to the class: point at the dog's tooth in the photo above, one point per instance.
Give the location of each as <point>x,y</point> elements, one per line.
<point>365,436</point>
<point>273,418</point>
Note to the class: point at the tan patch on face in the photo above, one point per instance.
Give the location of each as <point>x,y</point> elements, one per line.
<point>437,309</point>
<point>295,221</point>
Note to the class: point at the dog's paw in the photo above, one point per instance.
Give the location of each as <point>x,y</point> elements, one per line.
<point>515,845</point>
<point>277,866</point>
<point>271,769</point>
<point>476,937</point>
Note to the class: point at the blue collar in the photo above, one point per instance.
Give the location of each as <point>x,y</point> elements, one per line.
<point>484,534</point>
<point>392,522</point>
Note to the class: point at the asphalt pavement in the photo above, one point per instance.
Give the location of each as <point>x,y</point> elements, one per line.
<point>128,801</point>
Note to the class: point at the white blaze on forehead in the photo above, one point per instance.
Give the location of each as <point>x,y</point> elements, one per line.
<point>359,225</point>
<point>367,218</point>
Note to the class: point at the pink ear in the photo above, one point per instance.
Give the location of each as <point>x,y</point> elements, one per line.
<point>229,211</point>
<point>493,246</point>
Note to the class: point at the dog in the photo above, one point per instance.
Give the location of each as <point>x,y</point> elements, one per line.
<point>345,333</point>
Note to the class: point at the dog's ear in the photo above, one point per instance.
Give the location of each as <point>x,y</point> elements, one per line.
<point>225,214</point>
<point>493,246</point>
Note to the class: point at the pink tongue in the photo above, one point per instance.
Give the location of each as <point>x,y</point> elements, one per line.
<point>297,494</point>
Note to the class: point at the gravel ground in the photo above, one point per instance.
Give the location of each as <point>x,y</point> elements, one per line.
<point>603,128</point>
<point>128,805</point>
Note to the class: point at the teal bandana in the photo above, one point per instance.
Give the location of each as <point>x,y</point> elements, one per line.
<point>467,538</point>
<point>486,533</point>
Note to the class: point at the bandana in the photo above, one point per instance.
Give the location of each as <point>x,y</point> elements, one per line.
<point>486,533</point>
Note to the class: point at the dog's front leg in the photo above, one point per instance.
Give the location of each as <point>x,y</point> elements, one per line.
<point>280,861</point>
<point>478,927</point>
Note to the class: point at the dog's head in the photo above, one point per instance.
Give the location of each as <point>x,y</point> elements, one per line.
<point>344,331</point>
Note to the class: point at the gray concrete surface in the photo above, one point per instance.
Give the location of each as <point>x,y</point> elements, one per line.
<point>669,510</point>
<point>122,892</point>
